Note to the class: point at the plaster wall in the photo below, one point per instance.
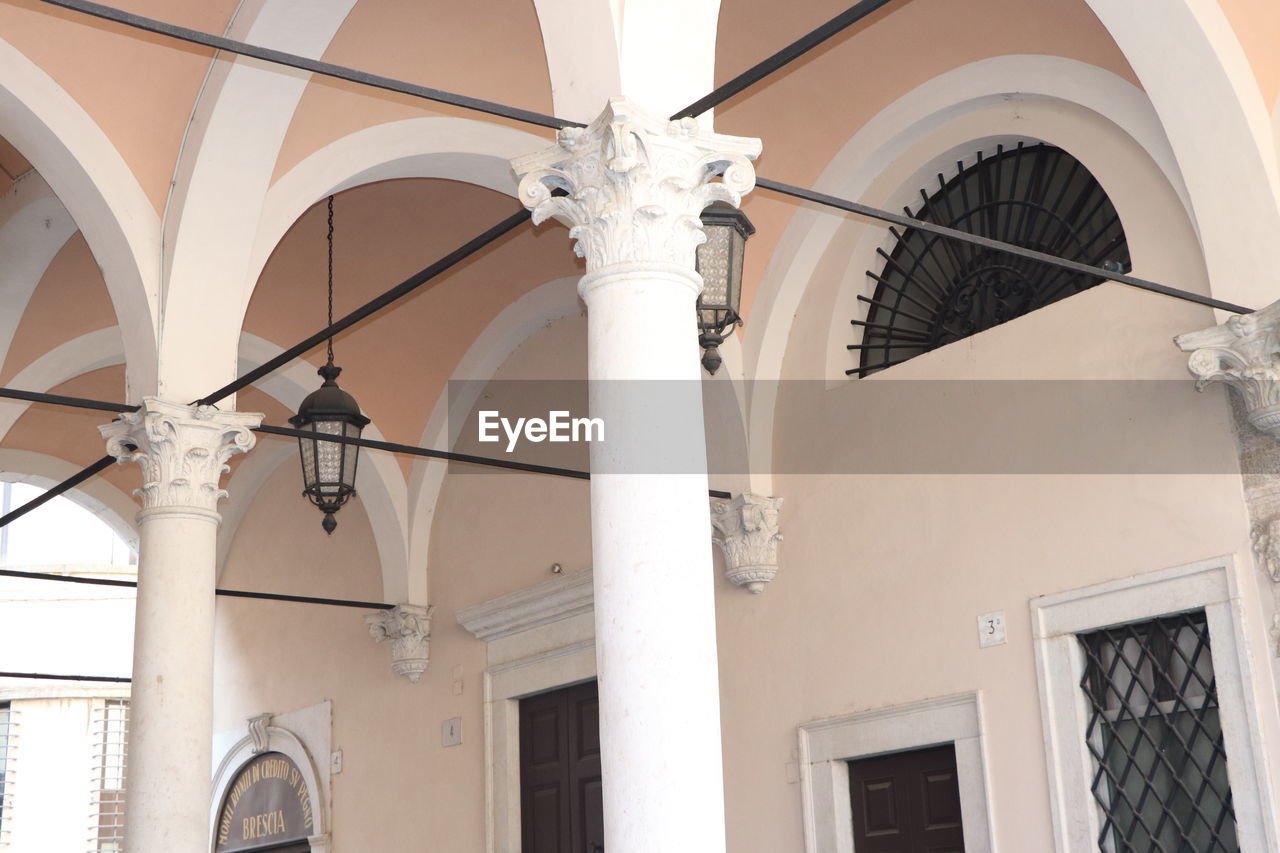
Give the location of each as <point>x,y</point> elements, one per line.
<point>886,573</point>
<point>882,578</point>
<point>70,300</point>
<point>495,533</point>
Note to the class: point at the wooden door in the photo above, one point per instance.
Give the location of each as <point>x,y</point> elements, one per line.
<point>906,802</point>
<point>561,810</point>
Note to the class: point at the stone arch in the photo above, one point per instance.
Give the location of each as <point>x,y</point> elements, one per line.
<point>596,51</point>
<point>1122,167</point>
<point>238,125</point>
<point>264,734</point>
<point>533,311</point>
<point>102,195</point>
<point>1102,101</point>
<point>90,351</point>
<point>1202,88</point>
<point>475,152</point>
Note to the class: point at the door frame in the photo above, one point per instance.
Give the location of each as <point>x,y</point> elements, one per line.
<point>537,639</point>
<point>826,747</point>
<point>505,686</point>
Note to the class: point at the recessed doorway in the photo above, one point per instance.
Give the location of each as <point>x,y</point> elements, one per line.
<point>561,807</point>
<point>906,802</point>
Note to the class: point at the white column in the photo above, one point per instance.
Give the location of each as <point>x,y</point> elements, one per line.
<point>183,452</point>
<point>635,187</point>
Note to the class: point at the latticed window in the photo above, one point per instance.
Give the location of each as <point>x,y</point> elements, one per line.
<point>931,291</point>
<point>1160,765</point>
<point>111,737</point>
<point>6,777</point>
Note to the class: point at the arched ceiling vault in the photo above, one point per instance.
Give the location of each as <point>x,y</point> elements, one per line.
<point>198,197</point>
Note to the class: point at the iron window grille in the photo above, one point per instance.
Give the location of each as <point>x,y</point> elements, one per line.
<point>932,291</point>
<point>1160,766</point>
<point>107,800</point>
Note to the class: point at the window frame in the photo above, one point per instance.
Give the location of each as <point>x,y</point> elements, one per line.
<point>7,736</point>
<point>110,733</point>
<point>1211,585</point>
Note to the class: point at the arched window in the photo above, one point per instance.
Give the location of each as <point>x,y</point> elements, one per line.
<point>61,533</point>
<point>931,291</point>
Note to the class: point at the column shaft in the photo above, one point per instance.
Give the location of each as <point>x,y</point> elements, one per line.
<point>654,584</point>
<point>632,187</point>
<point>171,707</point>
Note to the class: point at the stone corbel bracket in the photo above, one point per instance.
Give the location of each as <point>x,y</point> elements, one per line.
<point>1266,547</point>
<point>1243,353</point>
<point>258,732</point>
<point>749,537</point>
<point>408,628</point>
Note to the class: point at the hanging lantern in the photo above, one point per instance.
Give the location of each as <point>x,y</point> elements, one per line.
<point>719,262</point>
<point>329,467</point>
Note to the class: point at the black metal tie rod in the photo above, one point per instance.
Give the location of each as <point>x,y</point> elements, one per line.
<point>61,400</point>
<point>230,593</point>
<point>449,456</point>
<point>372,444</point>
<point>115,679</point>
<point>788,54</point>
<point>374,305</point>
<point>997,245</point>
<point>303,63</point>
<point>65,486</point>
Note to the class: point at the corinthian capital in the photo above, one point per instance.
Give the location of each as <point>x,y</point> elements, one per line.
<point>749,537</point>
<point>408,628</point>
<point>183,450</point>
<point>1242,352</point>
<point>635,185</point>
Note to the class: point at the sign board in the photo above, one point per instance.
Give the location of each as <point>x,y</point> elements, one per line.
<point>267,804</point>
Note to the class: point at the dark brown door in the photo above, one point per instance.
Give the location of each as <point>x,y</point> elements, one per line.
<point>906,802</point>
<point>561,810</point>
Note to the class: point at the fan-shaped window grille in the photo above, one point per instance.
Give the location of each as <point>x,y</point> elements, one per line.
<point>932,291</point>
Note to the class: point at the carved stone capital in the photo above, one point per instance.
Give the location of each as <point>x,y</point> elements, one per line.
<point>635,185</point>
<point>749,537</point>
<point>408,628</point>
<point>1242,352</point>
<point>183,450</point>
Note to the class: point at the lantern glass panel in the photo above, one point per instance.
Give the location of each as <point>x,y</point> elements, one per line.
<point>349,459</point>
<point>307,447</point>
<point>329,455</point>
<point>714,258</point>
<point>737,251</point>
<point>713,262</point>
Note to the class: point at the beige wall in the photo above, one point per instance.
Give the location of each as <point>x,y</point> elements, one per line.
<point>882,578</point>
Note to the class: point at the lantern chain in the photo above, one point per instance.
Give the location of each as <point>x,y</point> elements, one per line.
<point>329,237</point>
